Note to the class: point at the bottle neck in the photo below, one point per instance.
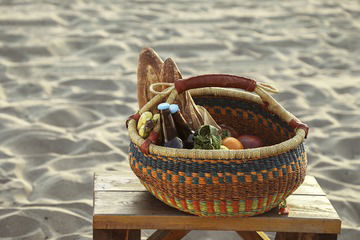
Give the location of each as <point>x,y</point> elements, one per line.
<point>168,125</point>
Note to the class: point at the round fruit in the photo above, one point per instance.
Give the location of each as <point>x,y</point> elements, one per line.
<point>232,143</point>
<point>250,141</point>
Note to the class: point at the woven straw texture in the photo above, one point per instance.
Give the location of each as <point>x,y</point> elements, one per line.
<point>236,185</point>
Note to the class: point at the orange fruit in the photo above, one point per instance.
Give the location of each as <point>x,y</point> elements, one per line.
<point>232,143</point>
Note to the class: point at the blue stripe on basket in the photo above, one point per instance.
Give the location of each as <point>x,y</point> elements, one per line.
<point>241,178</point>
<point>251,116</point>
<point>156,162</point>
<point>214,168</point>
<point>265,176</point>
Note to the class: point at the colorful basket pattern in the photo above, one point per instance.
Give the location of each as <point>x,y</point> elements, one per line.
<point>226,187</point>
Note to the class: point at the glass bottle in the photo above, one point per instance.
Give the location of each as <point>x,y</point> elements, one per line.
<point>170,134</point>
<point>183,128</point>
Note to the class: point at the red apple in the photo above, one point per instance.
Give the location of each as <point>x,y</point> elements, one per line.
<point>250,141</point>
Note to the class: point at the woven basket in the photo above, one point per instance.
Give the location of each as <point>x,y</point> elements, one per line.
<point>224,182</point>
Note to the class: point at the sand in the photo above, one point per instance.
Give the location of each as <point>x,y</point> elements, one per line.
<point>67,84</point>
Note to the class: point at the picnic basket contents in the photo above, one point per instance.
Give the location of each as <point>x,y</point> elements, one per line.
<point>231,153</point>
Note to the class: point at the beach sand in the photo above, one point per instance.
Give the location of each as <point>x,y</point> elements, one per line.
<point>68,82</point>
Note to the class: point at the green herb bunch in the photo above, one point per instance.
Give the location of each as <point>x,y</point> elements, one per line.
<point>207,137</point>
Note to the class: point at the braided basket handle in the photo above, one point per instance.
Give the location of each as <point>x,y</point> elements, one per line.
<point>215,80</point>
<point>247,84</point>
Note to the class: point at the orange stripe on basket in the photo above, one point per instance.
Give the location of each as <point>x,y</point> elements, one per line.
<point>172,200</point>
<point>270,175</point>
<point>155,192</point>
<point>210,206</point>
<point>194,174</point>
<point>222,206</point>
<point>234,179</point>
<point>265,122</point>
<point>183,204</point>
<point>245,115</point>
<point>164,197</point>
<point>211,110</point>
<point>175,178</point>
<point>270,197</point>
<point>248,204</point>
<point>187,180</point>
<point>255,118</point>
<point>235,205</point>
<point>260,203</point>
<point>196,205</point>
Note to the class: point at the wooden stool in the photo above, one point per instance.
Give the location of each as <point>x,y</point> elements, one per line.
<point>122,207</point>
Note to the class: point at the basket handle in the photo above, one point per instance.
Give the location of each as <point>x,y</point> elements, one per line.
<point>247,84</point>
<point>215,80</point>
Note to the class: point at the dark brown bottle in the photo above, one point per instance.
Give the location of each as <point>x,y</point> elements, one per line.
<point>170,134</point>
<point>184,130</point>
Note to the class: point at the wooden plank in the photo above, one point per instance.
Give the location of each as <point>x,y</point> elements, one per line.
<point>223,224</point>
<point>310,187</point>
<point>140,210</point>
<point>111,181</point>
<point>114,181</point>
<point>168,235</point>
<point>306,206</point>
<point>132,204</point>
<point>247,235</point>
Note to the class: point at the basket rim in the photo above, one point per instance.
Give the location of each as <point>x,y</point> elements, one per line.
<point>249,154</point>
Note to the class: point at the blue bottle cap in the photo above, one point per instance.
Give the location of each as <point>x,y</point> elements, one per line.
<point>174,108</point>
<point>163,106</point>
